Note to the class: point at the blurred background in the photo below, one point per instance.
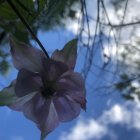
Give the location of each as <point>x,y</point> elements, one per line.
<point>108,33</point>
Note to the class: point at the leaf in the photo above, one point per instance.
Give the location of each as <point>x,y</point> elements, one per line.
<point>21,35</point>
<point>27,5</point>
<point>7,95</point>
<point>40,5</point>
<point>6,12</point>
<point>122,85</point>
<point>128,97</point>
<point>4,66</point>
<point>68,54</point>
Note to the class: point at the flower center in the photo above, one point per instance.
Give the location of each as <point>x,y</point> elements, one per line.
<point>47,92</point>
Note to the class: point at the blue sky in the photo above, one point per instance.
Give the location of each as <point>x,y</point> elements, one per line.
<point>108,116</point>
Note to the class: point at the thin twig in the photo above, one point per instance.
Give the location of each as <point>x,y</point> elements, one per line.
<point>119,83</point>
<point>94,40</point>
<point>121,25</point>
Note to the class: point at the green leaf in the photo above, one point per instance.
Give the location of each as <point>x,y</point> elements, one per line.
<point>68,54</point>
<point>6,12</point>
<point>21,35</point>
<point>29,4</point>
<point>41,5</point>
<point>7,95</point>
<point>124,76</point>
<point>4,66</point>
<point>128,97</point>
<point>122,85</point>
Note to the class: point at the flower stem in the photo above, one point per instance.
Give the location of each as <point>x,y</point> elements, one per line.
<point>27,26</point>
<point>41,136</point>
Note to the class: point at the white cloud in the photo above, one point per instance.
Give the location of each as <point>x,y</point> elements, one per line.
<point>85,130</point>
<point>116,115</point>
<point>127,114</point>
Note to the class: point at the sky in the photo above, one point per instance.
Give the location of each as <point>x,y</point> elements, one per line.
<point>108,116</point>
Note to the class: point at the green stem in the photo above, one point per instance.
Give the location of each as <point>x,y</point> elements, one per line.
<point>41,136</point>
<point>27,26</point>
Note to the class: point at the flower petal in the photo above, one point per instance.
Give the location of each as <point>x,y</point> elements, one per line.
<point>25,56</point>
<point>18,105</point>
<point>35,108</point>
<point>68,54</point>
<point>67,109</point>
<point>27,82</point>
<point>43,113</point>
<point>53,70</point>
<point>51,120</point>
<point>72,84</point>
<point>78,98</point>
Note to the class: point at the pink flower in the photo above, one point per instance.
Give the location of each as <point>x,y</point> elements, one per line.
<point>47,91</point>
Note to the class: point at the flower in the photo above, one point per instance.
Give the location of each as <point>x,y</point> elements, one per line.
<point>47,90</point>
